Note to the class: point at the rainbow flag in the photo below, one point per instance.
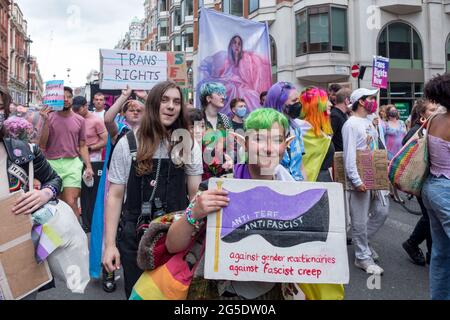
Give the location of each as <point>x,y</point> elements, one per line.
<point>316,148</point>
<point>45,241</point>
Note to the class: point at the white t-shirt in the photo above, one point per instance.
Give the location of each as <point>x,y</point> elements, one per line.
<point>100,114</point>
<point>119,170</point>
<point>357,134</point>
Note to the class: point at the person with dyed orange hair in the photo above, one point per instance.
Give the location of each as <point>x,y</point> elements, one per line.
<point>319,151</point>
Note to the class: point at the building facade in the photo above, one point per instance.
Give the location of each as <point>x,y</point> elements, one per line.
<point>316,42</point>
<point>4,47</point>
<point>36,83</point>
<point>18,55</point>
<point>134,37</point>
<point>328,37</point>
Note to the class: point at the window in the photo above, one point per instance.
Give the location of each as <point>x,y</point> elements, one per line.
<point>176,43</point>
<point>162,29</point>
<point>162,5</point>
<point>253,5</point>
<point>176,18</point>
<point>448,54</point>
<point>234,7</point>
<point>274,59</point>
<point>188,7</point>
<point>339,29</point>
<point>402,95</point>
<point>189,37</point>
<point>321,29</point>
<point>401,44</point>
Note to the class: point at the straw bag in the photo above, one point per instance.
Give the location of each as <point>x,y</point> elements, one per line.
<point>410,166</point>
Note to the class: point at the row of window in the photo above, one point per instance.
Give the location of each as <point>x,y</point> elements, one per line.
<point>187,6</point>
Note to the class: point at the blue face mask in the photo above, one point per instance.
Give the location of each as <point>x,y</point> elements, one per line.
<point>241,112</point>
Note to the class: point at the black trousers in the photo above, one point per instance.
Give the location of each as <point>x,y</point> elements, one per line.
<point>422,230</point>
<point>127,244</point>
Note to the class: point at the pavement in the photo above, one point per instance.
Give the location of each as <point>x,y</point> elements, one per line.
<point>402,280</point>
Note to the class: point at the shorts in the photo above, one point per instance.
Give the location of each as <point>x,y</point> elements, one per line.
<point>70,170</point>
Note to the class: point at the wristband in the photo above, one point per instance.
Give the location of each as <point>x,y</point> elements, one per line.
<point>188,213</point>
<point>53,190</point>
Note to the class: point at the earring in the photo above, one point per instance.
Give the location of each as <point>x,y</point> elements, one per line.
<point>423,119</point>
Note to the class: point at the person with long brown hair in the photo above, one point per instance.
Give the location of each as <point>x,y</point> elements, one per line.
<point>145,181</point>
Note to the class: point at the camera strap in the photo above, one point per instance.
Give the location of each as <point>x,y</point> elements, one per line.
<point>153,183</point>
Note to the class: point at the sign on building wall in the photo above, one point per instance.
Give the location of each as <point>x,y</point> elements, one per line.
<point>141,70</point>
<point>274,231</point>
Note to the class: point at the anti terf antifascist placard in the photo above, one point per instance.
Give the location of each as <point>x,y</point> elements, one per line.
<point>284,232</point>
<point>140,70</point>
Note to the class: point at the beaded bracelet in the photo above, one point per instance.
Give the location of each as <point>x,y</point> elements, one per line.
<point>53,189</point>
<point>188,213</point>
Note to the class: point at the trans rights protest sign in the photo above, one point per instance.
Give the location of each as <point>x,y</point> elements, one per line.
<point>235,52</point>
<point>54,94</point>
<point>380,72</point>
<point>141,70</point>
<point>177,68</point>
<point>275,231</point>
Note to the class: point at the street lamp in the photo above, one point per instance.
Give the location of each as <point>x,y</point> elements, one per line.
<point>28,42</point>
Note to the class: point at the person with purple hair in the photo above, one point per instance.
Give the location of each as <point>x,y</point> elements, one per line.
<point>283,97</point>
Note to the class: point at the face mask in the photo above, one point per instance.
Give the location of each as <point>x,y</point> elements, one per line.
<point>294,110</point>
<point>371,106</point>
<point>393,114</point>
<point>241,112</point>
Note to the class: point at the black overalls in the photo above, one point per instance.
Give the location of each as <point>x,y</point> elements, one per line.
<point>172,191</point>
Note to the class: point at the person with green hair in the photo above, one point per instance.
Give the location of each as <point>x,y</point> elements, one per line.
<point>266,143</point>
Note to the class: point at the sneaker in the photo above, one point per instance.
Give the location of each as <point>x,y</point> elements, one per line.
<point>369,266</point>
<point>415,253</point>
<point>109,281</point>
<point>375,255</point>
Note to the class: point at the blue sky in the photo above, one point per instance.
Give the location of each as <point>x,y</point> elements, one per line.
<point>69,33</point>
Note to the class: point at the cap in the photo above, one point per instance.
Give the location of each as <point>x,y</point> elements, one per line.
<point>359,93</point>
<point>78,102</point>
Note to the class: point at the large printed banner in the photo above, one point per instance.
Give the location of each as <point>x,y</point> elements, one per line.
<point>284,232</point>
<point>141,70</point>
<point>235,52</point>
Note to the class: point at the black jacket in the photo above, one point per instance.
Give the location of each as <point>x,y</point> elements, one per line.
<point>19,156</point>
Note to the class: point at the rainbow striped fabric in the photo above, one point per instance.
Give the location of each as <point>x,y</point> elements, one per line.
<point>45,241</point>
<point>168,282</point>
<point>409,167</point>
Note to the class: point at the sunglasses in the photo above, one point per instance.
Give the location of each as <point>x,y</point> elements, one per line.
<point>285,86</point>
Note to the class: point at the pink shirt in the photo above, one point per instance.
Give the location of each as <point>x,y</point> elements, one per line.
<point>95,127</point>
<point>65,135</point>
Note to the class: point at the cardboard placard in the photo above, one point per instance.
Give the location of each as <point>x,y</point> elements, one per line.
<point>141,70</point>
<point>279,232</point>
<point>177,68</point>
<point>372,168</point>
<point>20,275</point>
<point>54,94</point>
